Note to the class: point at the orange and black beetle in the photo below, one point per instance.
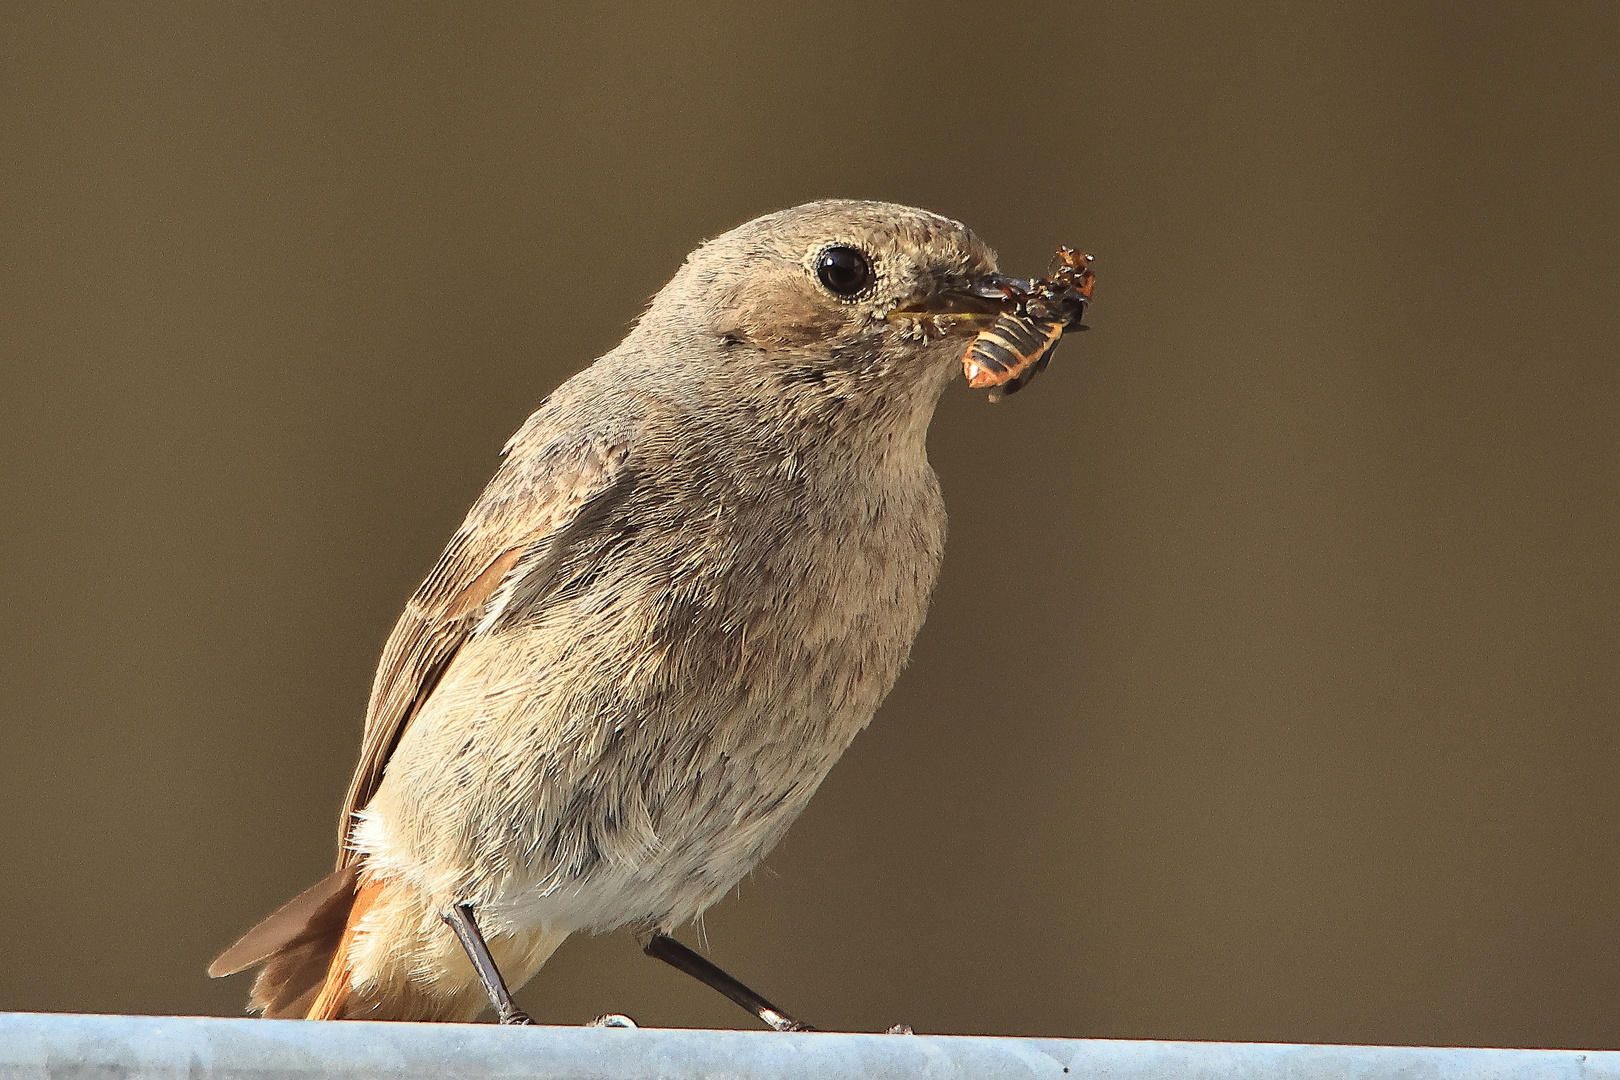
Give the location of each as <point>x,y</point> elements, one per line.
<point>1015,348</point>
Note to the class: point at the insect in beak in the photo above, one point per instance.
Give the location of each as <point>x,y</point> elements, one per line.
<point>1018,344</point>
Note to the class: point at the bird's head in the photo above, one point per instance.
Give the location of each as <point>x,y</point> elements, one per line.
<point>859,306</point>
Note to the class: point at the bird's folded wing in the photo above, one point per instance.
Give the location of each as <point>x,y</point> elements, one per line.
<point>538,506</point>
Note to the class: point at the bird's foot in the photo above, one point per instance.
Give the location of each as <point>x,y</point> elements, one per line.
<point>781,1021</point>
<point>900,1029</point>
<point>516,1016</point>
<point>618,1020</point>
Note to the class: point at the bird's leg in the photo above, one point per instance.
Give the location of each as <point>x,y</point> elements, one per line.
<point>679,956</point>
<point>460,918</point>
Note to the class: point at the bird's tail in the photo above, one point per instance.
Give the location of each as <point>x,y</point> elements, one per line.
<point>416,970</point>
<point>297,946</point>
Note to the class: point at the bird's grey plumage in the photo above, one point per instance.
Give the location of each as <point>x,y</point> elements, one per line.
<point>697,572</point>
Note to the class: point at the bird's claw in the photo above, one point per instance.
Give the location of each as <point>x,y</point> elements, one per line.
<point>777,1021</point>
<point>516,1017</point>
<point>613,1020</point>
<point>900,1029</point>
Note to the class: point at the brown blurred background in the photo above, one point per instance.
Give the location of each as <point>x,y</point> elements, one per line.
<point>1302,567</point>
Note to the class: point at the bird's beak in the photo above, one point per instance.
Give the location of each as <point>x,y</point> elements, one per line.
<point>964,307</point>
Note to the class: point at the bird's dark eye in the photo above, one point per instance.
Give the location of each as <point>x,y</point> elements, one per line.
<point>844,270</point>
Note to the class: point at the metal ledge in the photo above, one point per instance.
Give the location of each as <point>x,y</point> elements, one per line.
<point>39,1045</point>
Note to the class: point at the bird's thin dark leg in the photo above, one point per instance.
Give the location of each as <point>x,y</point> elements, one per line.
<point>679,956</point>
<point>462,922</point>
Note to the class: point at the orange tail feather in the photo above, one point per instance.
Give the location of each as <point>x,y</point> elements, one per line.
<point>335,991</point>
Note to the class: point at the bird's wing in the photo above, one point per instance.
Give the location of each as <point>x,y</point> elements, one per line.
<point>538,506</point>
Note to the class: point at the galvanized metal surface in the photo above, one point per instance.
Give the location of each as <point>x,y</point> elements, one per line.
<point>60,1046</point>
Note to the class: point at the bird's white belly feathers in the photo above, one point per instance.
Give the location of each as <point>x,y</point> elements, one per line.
<point>675,748</point>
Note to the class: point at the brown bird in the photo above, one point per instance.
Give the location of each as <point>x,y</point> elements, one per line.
<point>695,575</point>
